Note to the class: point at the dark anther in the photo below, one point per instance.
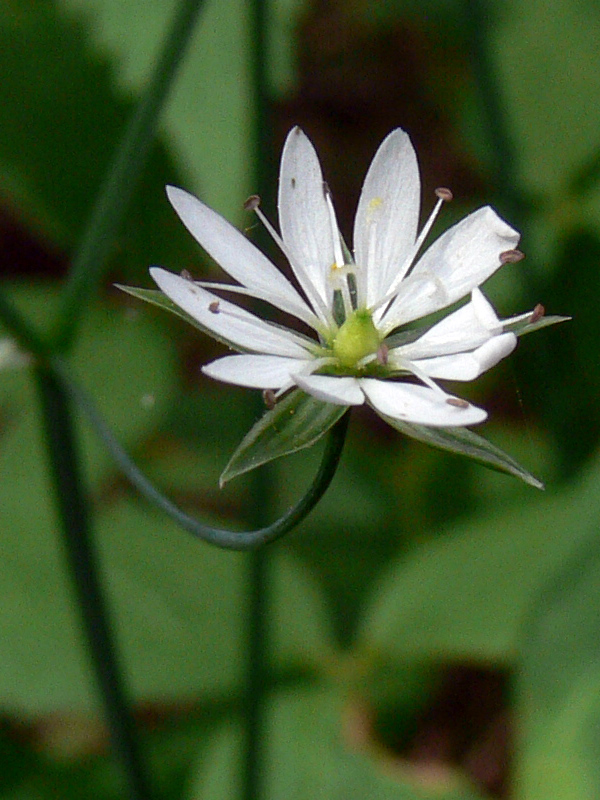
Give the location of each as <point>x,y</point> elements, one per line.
<point>538,313</point>
<point>186,275</point>
<point>326,189</point>
<point>382,354</point>
<point>444,194</point>
<point>252,202</point>
<point>269,398</point>
<point>214,307</point>
<point>457,401</point>
<point>511,256</point>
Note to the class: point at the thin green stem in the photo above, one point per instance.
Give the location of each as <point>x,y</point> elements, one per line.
<point>115,194</point>
<point>257,628</point>
<point>73,514</point>
<point>229,540</point>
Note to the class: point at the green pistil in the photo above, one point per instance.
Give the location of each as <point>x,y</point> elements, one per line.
<point>356,338</point>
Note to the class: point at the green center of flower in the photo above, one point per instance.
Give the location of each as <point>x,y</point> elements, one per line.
<point>356,338</point>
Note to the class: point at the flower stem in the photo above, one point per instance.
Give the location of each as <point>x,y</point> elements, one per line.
<point>72,509</point>
<point>122,177</point>
<point>257,630</point>
<point>229,540</point>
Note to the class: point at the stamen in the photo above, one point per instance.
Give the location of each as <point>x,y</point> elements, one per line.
<point>458,402</point>
<point>409,366</point>
<point>252,203</point>
<point>186,275</point>
<point>214,307</point>
<point>335,231</point>
<point>538,312</point>
<point>444,196</point>
<point>338,255</point>
<point>511,256</point>
<point>319,306</point>
<point>269,398</point>
<point>382,354</point>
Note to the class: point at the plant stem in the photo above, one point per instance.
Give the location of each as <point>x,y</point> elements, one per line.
<point>73,514</point>
<point>99,235</point>
<point>220,537</point>
<point>258,639</point>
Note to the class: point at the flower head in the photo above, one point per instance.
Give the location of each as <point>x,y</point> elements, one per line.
<point>357,304</point>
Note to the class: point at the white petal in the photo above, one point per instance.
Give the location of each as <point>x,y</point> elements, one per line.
<point>255,371</point>
<point>343,391</point>
<point>237,255</point>
<point>468,366</point>
<point>304,217</point>
<point>460,260</point>
<point>458,332</point>
<point>386,221</point>
<point>230,324</point>
<point>419,404</point>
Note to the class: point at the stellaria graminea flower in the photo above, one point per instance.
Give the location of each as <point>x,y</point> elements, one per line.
<point>356,304</point>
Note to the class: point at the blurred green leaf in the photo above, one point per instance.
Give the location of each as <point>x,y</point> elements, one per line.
<point>60,120</point>
<point>315,750</point>
<point>465,595</point>
<point>559,697</point>
<point>178,607</point>
<point>296,422</point>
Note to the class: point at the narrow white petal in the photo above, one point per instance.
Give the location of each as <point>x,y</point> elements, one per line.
<point>231,324</point>
<point>460,260</point>
<point>303,216</point>
<point>255,371</point>
<point>468,366</point>
<point>237,255</point>
<point>460,331</point>
<point>419,404</point>
<point>386,221</point>
<point>343,391</point>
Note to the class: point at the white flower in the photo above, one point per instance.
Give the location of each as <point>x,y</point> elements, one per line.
<point>355,305</point>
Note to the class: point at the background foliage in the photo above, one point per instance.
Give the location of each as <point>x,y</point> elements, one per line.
<point>434,625</point>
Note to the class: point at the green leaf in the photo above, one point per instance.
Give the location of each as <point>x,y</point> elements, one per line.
<point>298,421</point>
<point>466,594</point>
<point>464,442</point>
<point>559,698</point>
<point>311,754</point>
<point>179,608</point>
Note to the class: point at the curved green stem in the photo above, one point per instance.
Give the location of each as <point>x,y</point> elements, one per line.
<point>122,176</point>
<point>230,540</point>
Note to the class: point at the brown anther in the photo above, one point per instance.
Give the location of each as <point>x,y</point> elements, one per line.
<point>214,307</point>
<point>326,189</point>
<point>457,401</point>
<point>186,275</point>
<point>511,256</point>
<point>538,312</point>
<point>252,203</point>
<point>382,354</point>
<point>269,398</point>
<point>444,194</point>
<point>293,183</point>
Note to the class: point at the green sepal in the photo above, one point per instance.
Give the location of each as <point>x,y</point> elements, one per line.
<point>463,441</point>
<point>156,298</point>
<point>522,327</point>
<point>296,422</point>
